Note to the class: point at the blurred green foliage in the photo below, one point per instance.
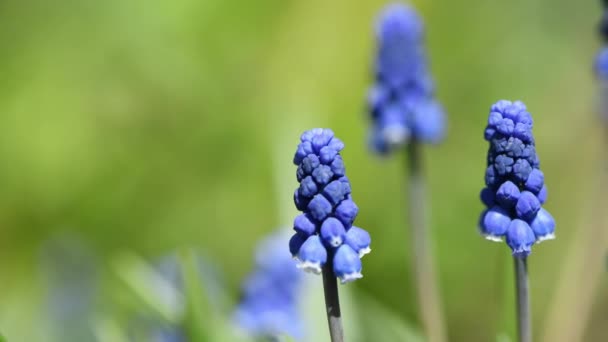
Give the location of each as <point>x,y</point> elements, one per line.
<point>146,126</point>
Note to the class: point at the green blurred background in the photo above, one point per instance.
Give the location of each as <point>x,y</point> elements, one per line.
<point>146,126</point>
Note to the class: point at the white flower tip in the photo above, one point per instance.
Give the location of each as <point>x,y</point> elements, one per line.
<point>395,135</point>
<point>347,278</point>
<point>546,237</point>
<point>491,237</point>
<point>309,266</point>
<point>336,241</point>
<point>364,251</point>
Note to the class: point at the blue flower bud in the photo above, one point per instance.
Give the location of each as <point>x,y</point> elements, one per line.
<point>359,240</point>
<point>310,163</point>
<point>508,194</point>
<point>515,185</point>
<point>332,232</point>
<point>304,224</point>
<point>337,166</point>
<point>505,126</point>
<point>487,197</point>
<point>312,255</point>
<point>304,149</point>
<point>542,195</point>
<point>521,170</point>
<point>543,226</point>
<point>321,140</point>
<point>503,164</point>
<point>296,242</point>
<point>491,176</point>
<point>327,155</point>
<point>347,264</point>
<point>520,238</point>
<point>319,207</point>
<point>300,201</point>
<point>335,192</point>
<point>527,206</point>
<point>495,223</point>
<point>494,119</point>
<point>346,212</point>
<point>308,187</point>
<point>535,181</point>
<point>324,197</point>
<point>322,174</point>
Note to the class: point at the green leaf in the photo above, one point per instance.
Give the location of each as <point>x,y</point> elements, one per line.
<point>150,287</point>
<point>381,324</point>
<point>198,310</point>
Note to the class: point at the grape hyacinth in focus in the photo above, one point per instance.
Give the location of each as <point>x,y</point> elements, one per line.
<point>402,102</point>
<point>269,300</point>
<point>515,189</point>
<point>325,231</point>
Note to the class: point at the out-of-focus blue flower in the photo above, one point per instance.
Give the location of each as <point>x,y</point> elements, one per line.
<point>325,231</point>
<point>601,64</point>
<point>402,102</point>
<point>515,189</point>
<point>269,304</point>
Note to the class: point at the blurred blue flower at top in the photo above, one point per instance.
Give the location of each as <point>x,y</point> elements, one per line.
<point>515,186</point>
<point>269,303</point>
<point>402,102</point>
<point>324,231</point>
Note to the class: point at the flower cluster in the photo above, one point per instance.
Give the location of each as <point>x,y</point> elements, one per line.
<point>515,189</point>
<point>269,302</point>
<point>401,101</point>
<point>325,231</point>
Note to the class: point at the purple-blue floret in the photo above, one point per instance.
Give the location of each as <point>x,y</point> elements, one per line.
<point>269,302</point>
<point>324,232</point>
<point>402,102</point>
<point>515,186</point>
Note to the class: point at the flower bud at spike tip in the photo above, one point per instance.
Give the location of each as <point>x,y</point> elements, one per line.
<point>515,186</point>
<point>324,231</point>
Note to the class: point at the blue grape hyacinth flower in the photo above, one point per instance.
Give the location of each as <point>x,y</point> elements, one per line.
<point>269,304</point>
<point>325,231</point>
<point>515,187</point>
<point>402,100</point>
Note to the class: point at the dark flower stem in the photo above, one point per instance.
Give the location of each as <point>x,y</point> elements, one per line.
<point>332,303</point>
<point>422,259</point>
<point>524,329</point>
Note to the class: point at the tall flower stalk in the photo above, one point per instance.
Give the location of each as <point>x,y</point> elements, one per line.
<point>514,194</point>
<point>404,112</point>
<point>325,240</point>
